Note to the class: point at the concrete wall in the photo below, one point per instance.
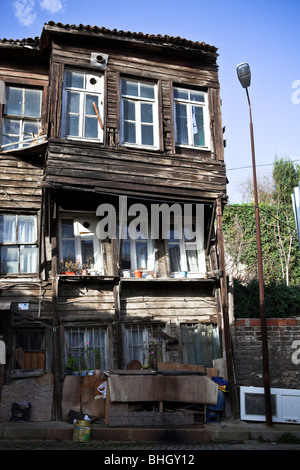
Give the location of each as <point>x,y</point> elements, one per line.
<point>283,346</point>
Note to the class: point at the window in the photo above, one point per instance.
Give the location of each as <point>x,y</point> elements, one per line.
<point>18,244</point>
<point>142,343</point>
<point>29,351</point>
<point>79,245</point>
<point>186,247</point>
<point>21,118</point>
<point>137,250</point>
<point>200,343</point>
<point>89,346</point>
<point>139,121</point>
<point>191,118</point>
<point>83,106</point>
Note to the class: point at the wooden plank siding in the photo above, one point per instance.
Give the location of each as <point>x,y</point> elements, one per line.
<point>19,179</point>
<point>167,301</point>
<point>86,301</point>
<point>108,167</point>
<point>132,172</point>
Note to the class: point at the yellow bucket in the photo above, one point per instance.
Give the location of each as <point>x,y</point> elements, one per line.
<point>82,431</point>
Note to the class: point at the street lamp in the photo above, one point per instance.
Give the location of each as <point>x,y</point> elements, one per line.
<point>244,76</point>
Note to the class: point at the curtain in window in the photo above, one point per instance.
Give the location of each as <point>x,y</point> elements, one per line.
<point>200,344</point>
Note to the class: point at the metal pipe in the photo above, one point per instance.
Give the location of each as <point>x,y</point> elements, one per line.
<point>262,306</point>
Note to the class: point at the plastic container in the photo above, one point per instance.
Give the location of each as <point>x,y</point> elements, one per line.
<point>82,430</point>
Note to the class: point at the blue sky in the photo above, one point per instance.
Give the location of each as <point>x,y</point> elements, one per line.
<point>263,33</point>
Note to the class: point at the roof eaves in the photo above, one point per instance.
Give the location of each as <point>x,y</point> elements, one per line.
<point>166,41</point>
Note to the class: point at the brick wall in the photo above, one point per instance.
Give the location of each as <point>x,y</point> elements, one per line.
<point>283,346</point>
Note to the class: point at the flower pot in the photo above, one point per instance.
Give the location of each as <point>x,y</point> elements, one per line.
<point>137,273</point>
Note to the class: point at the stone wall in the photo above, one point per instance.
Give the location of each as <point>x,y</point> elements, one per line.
<point>284,352</point>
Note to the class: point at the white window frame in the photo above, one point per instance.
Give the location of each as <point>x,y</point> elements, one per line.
<point>21,139</point>
<point>133,251</point>
<point>21,244</point>
<point>93,84</point>
<point>138,101</point>
<point>183,246</point>
<point>81,232</point>
<point>189,107</point>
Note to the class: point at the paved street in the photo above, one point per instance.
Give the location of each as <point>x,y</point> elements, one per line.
<point>149,448</point>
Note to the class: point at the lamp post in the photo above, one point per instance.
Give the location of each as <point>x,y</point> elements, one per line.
<point>244,76</point>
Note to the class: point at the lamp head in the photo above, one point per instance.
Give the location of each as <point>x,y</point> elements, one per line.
<point>244,74</point>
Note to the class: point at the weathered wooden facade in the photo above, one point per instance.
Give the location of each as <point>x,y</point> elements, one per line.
<point>114,118</point>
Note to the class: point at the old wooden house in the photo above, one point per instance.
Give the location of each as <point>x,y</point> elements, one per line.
<point>101,131</point>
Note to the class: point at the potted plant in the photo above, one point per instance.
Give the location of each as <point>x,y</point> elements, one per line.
<point>70,365</point>
<point>69,268</point>
<point>138,272</point>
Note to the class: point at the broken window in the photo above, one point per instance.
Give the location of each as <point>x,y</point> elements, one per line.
<point>191,118</point>
<point>200,343</point>
<point>139,120</point>
<point>21,122</point>
<point>18,244</point>
<point>29,348</point>
<point>83,106</point>
<point>80,249</point>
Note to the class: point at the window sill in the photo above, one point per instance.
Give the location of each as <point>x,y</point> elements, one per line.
<point>24,373</point>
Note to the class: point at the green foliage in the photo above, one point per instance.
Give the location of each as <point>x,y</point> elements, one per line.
<point>280,248</point>
<point>281,300</point>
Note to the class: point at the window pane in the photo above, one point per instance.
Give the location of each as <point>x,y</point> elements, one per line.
<point>174,256</point>
<point>30,130</point>
<point>198,126</point>
<point>129,111</point>
<point>91,128</point>
<point>9,259</point>
<point>147,135</point>
<point>11,126</point>
<point>146,112</point>
<point>87,252</point>
<point>7,228</point>
<point>9,140</point>
<point>129,88</point>
<point>67,229</point>
<point>141,254</point>
<point>26,229</point>
<point>192,257</point>
<point>89,108</point>
<point>74,79</point>
<point>181,124</point>
<point>181,94</point>
<point>197,97</point>
<point>14,98</point>
<point>129,132</point>
<point>147,91</point>
<point>72,125</point>
<point>68,250</point>
<point>73,101</point>
<point>28,258</point>
<point>32,103</point>
<point>126,258</point>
